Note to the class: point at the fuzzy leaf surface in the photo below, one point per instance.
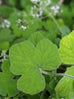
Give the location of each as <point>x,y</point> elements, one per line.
<point>26,60</point>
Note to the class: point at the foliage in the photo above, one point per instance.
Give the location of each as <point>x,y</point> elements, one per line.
<point>36,49</point>
<point>44,56</point>
<point>7,84</point>
<point>66,85</point>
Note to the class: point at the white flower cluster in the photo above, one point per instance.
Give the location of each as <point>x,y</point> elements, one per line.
<point>56,9</point>
<point>45,2</point>
<point>37,12</point>
<point>5,24</point>
<point>22,26</point>
<point>20,22</point>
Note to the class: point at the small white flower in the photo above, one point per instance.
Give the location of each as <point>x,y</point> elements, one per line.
<point>23,27</point>
<point>5,24</point>
<point>47,2</point>
<point>19,21</point>
<point>55,9</point>
<point>36,13</point>
<point>5,21</point>
<point>33,15</point>
<point>34,7</point>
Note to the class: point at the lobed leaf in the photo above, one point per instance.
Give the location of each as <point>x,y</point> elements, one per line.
<point>26,60</point>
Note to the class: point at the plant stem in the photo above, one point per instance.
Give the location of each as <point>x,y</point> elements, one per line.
<point>53,18</point>
<point>56,23</point>
<point>56,74</point>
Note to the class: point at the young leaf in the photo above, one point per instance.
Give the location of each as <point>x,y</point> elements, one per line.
<point>66,85</point>
<point>67,49</point>
<point>27,60</point>
<point>7,84</point>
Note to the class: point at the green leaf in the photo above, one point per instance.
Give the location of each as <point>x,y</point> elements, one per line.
<point>47,55</point>
<point>17,15</point>
<point>52,30</point>
<point>65,30</point>
<point>67,49</point>
<point>57,41</point>
<point>36,37</point>
<point>66,85</point>
<point>60,22</point>
<point>33,26</point>
<point>11,2</point>
<point>67,15</point>
<point>7,84</point>
<point>26,4</point>
<point>17,31</point>
<point>31,76</point>
<point>5,11</point>
<point>26,60</point>
<point>51,26</point>
<point>5,35</point>
<point>4,45</point>
<point>56,1</point>
<point>19,40</point>
<point>70,96</point>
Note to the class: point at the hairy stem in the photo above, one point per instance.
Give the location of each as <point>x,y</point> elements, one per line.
<point>56,74</point>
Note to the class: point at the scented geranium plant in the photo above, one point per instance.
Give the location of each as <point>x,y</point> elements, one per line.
<point>36,49</point>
